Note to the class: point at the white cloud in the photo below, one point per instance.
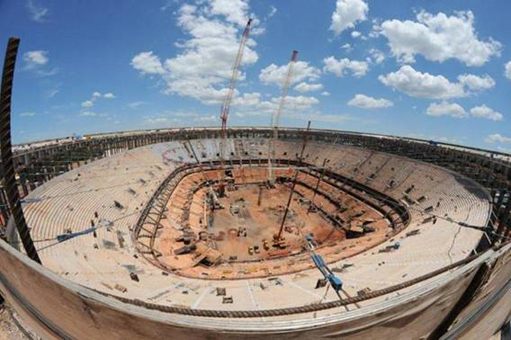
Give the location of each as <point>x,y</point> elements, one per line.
<point>135,105</point>
<point>88,114</point>
<point>247,99</point>
<point>366,102</point>
<point>235,11</point>
<point>251,105</point>
<point>347,14</point>
<point>298,103</point>
<point>147,63</point>
<point>88,103</point>
<point>439,38</point>
<point>27,114</point>
<point>507,68</point>
<point>497,138</point>
<point>95,96</point>
<point>272,11</point>
<point>377,56</point>
<point>475,83</point>
<point>52,92</point>
<point>276,75</point>
<point>292,104</point>
<point>204,66</point>
<point>485,112</point>
<point>347,47</point>
<point>37,13</point>
<point>306,87</point>
<point>325,93</point>
<point>35,59</point>
<point>356,34</point>
<point>425,85</point>
<point>206,119</point>
<point>446,109</point>
<point>455,110</point>
<point>340,67</point>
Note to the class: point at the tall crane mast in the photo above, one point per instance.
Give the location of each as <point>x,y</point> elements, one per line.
<point>278,113</point>
<point>226,105</point>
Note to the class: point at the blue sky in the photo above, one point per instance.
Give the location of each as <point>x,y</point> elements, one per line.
<point>431,69</point>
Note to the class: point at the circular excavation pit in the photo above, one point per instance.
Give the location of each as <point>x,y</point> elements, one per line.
<point>228,224</point>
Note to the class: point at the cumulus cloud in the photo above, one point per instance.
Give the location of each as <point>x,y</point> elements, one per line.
<point>88,103</point>
<point>35,59</point>
<point>377,56</point>
<point>203,67</point>
<point>251,104</point>
<point>446,109</point>
<point>475,83</point>
<point>293,104</point>
<point>95,96</point>
<point>147,63</point>
<point>325,93</point>
<point>276,75</point>
<point>342,66</point>
<point>234,11</point>
<point>347,47</point>
<point>247,99</point>
<point>484,111</point>
<point>347,14</point>
<point>497,138</point>
<point>438,38</point>
<point>356,34</point>
<point>305,87</point>
<point>507,69</point>
<point>366,102</point>
<point>455,110</point>
<point>425,85</point>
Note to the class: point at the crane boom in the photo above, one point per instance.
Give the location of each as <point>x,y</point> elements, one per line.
<point>278,113</point>
<point>226,105</point>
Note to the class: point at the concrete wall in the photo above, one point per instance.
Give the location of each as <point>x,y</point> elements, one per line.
<point>57,308</point>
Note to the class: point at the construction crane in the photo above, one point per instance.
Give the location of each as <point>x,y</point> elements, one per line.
<point>226,105</point>
<point>278,113</point>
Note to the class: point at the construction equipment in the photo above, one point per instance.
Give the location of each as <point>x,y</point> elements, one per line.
<point>334,281</point>
<point>278,113</point>
<point>226,105</point>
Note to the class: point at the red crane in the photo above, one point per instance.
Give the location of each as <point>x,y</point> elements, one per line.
<point>226,105</point>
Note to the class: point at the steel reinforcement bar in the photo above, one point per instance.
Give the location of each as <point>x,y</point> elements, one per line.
<point>7,164</point>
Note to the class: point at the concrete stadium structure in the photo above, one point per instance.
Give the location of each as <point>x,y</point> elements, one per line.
<point>437,264</point>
